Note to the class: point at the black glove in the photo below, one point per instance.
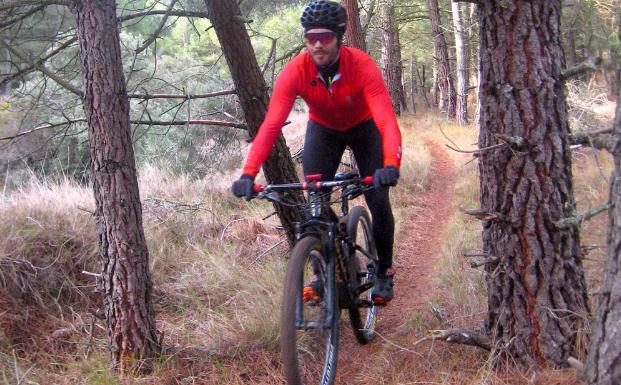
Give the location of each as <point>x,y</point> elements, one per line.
<point>243,187</point>
<point>386,176</point>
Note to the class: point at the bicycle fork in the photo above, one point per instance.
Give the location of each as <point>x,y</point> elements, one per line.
<point>330,291</point>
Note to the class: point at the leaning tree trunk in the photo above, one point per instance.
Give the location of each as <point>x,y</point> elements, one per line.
<point>228,23</point>
<point>446,100</point>
<point>461,48</point>
<point>353,34</point>
<point>125,280</point>
<point>604,360</point>
<point>391,58</point>
<point>537,301</point>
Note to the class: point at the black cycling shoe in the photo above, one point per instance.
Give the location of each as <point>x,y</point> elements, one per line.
<point>382,292</point>
<point>313,292</point>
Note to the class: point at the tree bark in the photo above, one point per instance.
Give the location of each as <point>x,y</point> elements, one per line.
<point>227,21</point>
<point>604,359</point>
<point>447,99</point>
<point>473,61</point>
<point>125,280</point>
<point>423,87</point>
<point>391,58</point>
<point>537,299</point>
<point>461,48</point>
<point>434,92</point>
<point>414,82</point>
<point>353,34</point>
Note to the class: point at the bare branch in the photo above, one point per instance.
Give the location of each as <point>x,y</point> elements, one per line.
<point>460,336</point>
<point>483,262</point>
<point>590,64</point>
<point>269,56</point>
<point>24,3</point>
<point>515,142</point>
<point>40,62</point>
<point>180,13</point>
<point>576,220</point>
<point>600,139</point>
<point>290,53</point>
<point>30,12</point>
<point>41,68</point>
<point>186,122</point>
<point>477,254</point>
<point>42,127</point>
<point>485,215</point>
<point>478,151</point>
<point>143,122</point>
<point>159,28</point>
<point>178,96</point>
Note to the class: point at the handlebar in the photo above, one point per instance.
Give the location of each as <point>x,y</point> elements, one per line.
<point>313,185</point>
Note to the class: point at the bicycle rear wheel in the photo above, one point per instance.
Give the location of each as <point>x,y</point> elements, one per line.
<point>363,266</point>
<point>309,333</point>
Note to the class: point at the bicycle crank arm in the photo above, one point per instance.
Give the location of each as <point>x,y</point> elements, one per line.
<point>365,303</point>
<point>364,287</point>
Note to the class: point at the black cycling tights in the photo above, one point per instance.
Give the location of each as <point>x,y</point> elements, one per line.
<point>323,150</point>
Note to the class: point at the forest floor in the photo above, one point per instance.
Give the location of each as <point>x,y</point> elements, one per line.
<point>223,330</point>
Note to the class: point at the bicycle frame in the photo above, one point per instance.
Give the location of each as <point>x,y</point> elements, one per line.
<point>325,224</point>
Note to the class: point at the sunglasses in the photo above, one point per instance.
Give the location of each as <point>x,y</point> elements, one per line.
<point>322,37</point>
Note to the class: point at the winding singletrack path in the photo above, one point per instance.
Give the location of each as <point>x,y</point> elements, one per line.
<point>417,249</point>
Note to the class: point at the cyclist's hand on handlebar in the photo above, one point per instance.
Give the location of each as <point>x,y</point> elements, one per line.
<point>243,187</point>
<point>387,176</point>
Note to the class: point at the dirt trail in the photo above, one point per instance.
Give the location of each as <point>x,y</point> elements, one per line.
<point>417,248</point>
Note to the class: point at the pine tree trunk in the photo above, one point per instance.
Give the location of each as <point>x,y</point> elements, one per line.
<point>423,89</point>
<point>603,363</point>
<point>413,77</point>
<point>125,280</point>
<point>434,92</point>
<point>353,34</point>
<point>473,60</point>
<point>537,301</point>
<point>461,48</point>
<point>447,99</point>
<point>253,97</point>
<point>391,58</point>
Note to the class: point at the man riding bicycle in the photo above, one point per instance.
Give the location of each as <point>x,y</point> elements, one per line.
<point>348,106</point>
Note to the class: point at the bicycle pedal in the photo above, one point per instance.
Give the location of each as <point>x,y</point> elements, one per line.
<point>310,297</point>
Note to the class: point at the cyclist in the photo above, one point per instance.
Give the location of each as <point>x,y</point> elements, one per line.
<point>348,106</point>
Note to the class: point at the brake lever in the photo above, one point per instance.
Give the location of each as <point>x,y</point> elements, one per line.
<point>272,196</point>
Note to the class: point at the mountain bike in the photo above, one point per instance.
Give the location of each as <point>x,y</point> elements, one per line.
<point>336,252</point>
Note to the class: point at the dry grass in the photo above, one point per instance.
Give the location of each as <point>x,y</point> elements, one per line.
<point>217,290</point>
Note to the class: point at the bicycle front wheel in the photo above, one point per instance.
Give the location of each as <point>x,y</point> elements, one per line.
<point>363,267</point>
<point>309,333</point>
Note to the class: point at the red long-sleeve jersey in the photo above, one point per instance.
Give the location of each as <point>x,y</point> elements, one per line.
<point>357,94</point>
